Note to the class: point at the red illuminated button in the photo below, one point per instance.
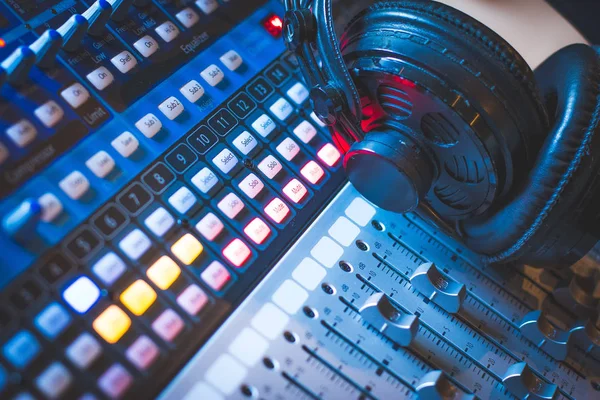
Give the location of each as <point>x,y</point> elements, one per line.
<point>329,154</point>
<point>295,191</point>
<point>277,210</point>
<point>237,252</point>
<point>312,172</point>
<point>257,230</point>
<point>216,275</point>
<point>274,25</point>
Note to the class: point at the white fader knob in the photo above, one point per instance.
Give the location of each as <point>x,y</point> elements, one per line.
<point>438,287</point>
<point>97,16</point>
<point>397,325</point>
<point>523,383</point>
<point>537,328</point>
<point>435,385</point>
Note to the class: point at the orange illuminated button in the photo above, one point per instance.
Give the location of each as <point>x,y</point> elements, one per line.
<point>187,249</point>
<point>112,324</point>
<point>257,230</point>
<point>312,172</point>
<point>138,297</point>
<point>277,210</point>
<point>163,272</point>
<point>295,191</point>
<point>237,252</point>
<point>329,154</point>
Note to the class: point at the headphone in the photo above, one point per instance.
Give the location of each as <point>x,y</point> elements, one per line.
<point>433,109</point>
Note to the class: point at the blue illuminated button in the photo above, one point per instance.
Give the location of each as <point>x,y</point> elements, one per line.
<point>53,320</point>
<point>82,294</point>
<point>54,381</point>
<point>21,349</point>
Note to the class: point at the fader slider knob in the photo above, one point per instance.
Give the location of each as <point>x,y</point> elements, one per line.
<point>19,222</point>
<point>586,335</point>
<point>397,325</point>
<point>73,32</point>
<point>438,287</point>
<point>523,383</point>
<point>18,65</point>
<point>435,385</point>
<point>46,47</point>
<point>537,328</point>
<point>97,16</point>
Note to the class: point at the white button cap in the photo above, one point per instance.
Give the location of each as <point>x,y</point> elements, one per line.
<point>205,180</point>
<point>248,347</point>
<point>84,350</point>
<point>270,166</point>
<point>264,125</point>
<point>126,144</point>
<point>109,268</point>
<point>142,352</point>
<point>231,60</point>
<point>309,273</point>
<point>22,133</point>
<point>251,185</point>
<point>51,207</point>
<point>298,93</point>
<point>75,95</point>
<point>187,17</point>
<point>270,321</point>
<point>192,299</point>
<point>168,325</point>
<point>149,125</point>
<point>192,91</point>
<point>101,78</point>
<point>135,244</point>
<point>226,374</point>
<point>212,75</point>
<point>171,107</point>
<point>124,61</point>
<point>49,114</point>
<point>82,294</point>
<point>182,200</point>
<point>207,6</point>
<point>210,226</point>
<point>245,142</point>
<point>288,149</point>
<point>75,185</point>
<point>54,381</point>
<point>290,296</point>
<point>225,160</point>
<point>159,222</point>
<point>101,164</point>
<point>344,231</point>
<point>167,31</point>
<point>146,46</point>
<point>231,205</point>
<point>115,381</point>
<point>305,131</point>
<point>327,252</point>
<point>360,211</point>
<point>281,109</point>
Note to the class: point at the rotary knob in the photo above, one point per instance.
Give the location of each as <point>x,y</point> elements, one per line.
<point>435,385</point>
<point>537,328</point>
<point>73,32</point>
<point>520,380</point>
<point>18,65</point>
<point>438,287</point>
<point>97,17</point>
<point>399,326</point>
<point>46,47</point>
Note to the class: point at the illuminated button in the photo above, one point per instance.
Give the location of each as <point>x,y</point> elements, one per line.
<point>251,185</point>
<point>182,200</point>
<point>187,17</point>
<point>237,252</point>
<point>101,164</point>
<point>281,109</point>
<point>192,299</point>
<point>295,191</point>
<point>167,31</point>
<point>115,381</point>
<point>207,6</point>
<point>288,149</point>
<point>3,153</point>
<point>192,91</point>
<point>159,222</point>
<point>75,95</point>
<point>264,125</point>
<point>54,381</point>
<point>142,353</point>
<point>135,244</point>
<point>84,350</point>
<point>101,78</point>
<point>138,297</point>
<point>216,276</point>
<point>245,143</point>
<point>305,131</point>
<point>231,205</point>
<point>22,133</point>
<point>231,60</point>
<point>109,268</point>
<point>171,107</point>
<point>187,249</point>
<point>163,272</point>
<point>270,166</point>
<point>149,125</point>
<point>146,46</point>
<point>75,185</point>
<point>210,226</point>
<point>168,325</point>
<point>312,172</point>
<point>125,144</point>
<point>277,210</point>
<point>298,93</point>
<point>21,349</point>
<point>112,324</point>
<point>51,207</point>
<point>329,154</point>
<point>257,230</point>
<point>212,75</point>
<point>316,119</point>
<point>82,294</point>
<point>49,114</point>
<point>52,321</point>
<point>124,61</point>
<point>225,161</point>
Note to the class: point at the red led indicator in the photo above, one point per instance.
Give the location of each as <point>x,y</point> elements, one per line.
<point>274,25</point>
<point>2,43</point>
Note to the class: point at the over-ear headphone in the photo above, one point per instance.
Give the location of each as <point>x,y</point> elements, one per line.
<point>434,109</point>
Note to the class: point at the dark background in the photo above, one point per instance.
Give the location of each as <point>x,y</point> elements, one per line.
<point>583,14</point>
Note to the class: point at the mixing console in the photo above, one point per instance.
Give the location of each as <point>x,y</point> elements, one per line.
<point>175,223</point>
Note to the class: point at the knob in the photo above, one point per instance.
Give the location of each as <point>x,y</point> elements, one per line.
<point>120,9</point>
<point>46,47</point>
<point>397,325</point>
<point>577,296</point>
<point>587,335</point>
<point>22,219</point>
<point>97,17</point>
<point>523,383</point>
<point>435,385</point>
<point>438,287</point>
<point>537,328</point>
<point>73,32</point>
<point>18,65</point>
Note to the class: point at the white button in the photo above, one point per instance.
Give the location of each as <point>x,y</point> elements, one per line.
<point>3,153</point>
<point>245,142</point>
<point>344,231</point>
<point>210,226</point>
<point>314,117</point>
<point>124,61</point>
<point>49,114</point>
<point>75,95</point>
<point>51,207</point>
<point>248,347</point>
<point>281,109</point>
<point>142,352</point>
<point>205,180</point>
<point>270,321</point>
<point>167,31</point>
<point>115,381</point>
<point>168,325</point>
<point>360,211</point>
<point>22,133</point>
<point>82,294</point>
<point>290,297</point>
<point>54,381</point>
<point>231,60</point>
<point>109,268</point>
<point>75,185</point>
<point>231,205</point>
<point>149,125</point>
<point>288,149</point>
<point>187,17</point>
<point>212,75</point>
<point>264,125</point>
<point>309,273</point>
<point>171,107</point>
<point>202,390</point>
<point>226,374</point>
<point>216,275</point>
<point>192,299</point>
<point>207,6</point>
<point>146,46</point>
<point>270,166</point>
<point>192,91</point>
<point>182,200</point>
<point>135,244</point>
<point>327,252</point>
<point>159,222</point>
<point>101,78</point>
<point>298,93</point>
<point>305,131</point>
<point>126,144</point>
<point>84,350</point>
<point>225,160</point>
<point>101,164</point>
<point>251,185</point>
<point>295,190</point>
